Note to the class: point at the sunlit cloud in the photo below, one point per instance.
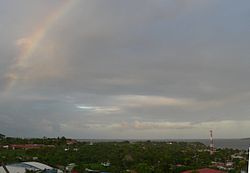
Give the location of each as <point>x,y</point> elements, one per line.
<point>149,101</point>
<point>86,107</point>
<point>222,125</point>
<point>99,109</point>
<point>161,125</point>
<point>146,100</point>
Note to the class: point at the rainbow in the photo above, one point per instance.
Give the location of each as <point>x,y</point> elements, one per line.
<point>29,44</point>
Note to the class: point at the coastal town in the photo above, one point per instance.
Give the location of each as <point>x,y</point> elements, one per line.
<point>124,86</point>
<point>69,155</point>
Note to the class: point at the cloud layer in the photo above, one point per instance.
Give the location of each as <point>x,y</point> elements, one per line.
<point>125,69</point>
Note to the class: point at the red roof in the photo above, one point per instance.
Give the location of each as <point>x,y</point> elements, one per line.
<point>206,170</point>
<point>29,146</point>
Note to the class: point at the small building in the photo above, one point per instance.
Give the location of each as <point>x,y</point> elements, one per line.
<point>5,146</point>
<point>106,164</point>
<point>29,146</point>
<point>235,156</point>
<point>92,171</point>
<point>70,167</point>
<point>71,141</point>
<point>229,164</point>
<point>31,166</point>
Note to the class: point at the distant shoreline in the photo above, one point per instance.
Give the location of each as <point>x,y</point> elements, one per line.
<point>235,143</point>
<point>245,138</point>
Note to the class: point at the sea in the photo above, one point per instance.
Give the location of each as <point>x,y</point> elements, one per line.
<point>241,144</point>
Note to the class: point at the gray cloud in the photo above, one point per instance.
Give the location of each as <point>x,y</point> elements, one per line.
<point>132,69</point>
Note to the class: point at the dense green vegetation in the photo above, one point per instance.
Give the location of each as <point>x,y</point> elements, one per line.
<point>142,157</point>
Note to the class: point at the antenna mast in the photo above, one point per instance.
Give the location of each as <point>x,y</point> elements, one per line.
<point>249,160</point>
<point>211,143</point>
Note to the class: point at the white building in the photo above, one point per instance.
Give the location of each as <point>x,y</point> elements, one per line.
<point>34,166</point>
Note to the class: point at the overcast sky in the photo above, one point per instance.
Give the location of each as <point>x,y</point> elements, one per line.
<point>150,69</point>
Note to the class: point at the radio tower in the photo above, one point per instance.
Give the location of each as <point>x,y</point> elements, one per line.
<point>211,143</point>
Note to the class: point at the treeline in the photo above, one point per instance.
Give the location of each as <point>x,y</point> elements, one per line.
<point>46,141</point>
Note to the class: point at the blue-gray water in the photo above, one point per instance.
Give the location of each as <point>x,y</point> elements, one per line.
<point>242,144</point>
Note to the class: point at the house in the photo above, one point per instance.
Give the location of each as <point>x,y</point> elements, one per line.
<point>219,165</point>
<point>91,170</point>
<point>106,164</point>
<point>70,167</point>
<point>229,164</point>
<point>235,156</point>
<point>71,141</point>
<point>29,146</point>
<point>26,146</point>
<point>32,166</point>
<point>5,146</point>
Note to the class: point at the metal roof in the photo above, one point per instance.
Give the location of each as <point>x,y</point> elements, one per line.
<point>23,166</point>
<point>38,165</point>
